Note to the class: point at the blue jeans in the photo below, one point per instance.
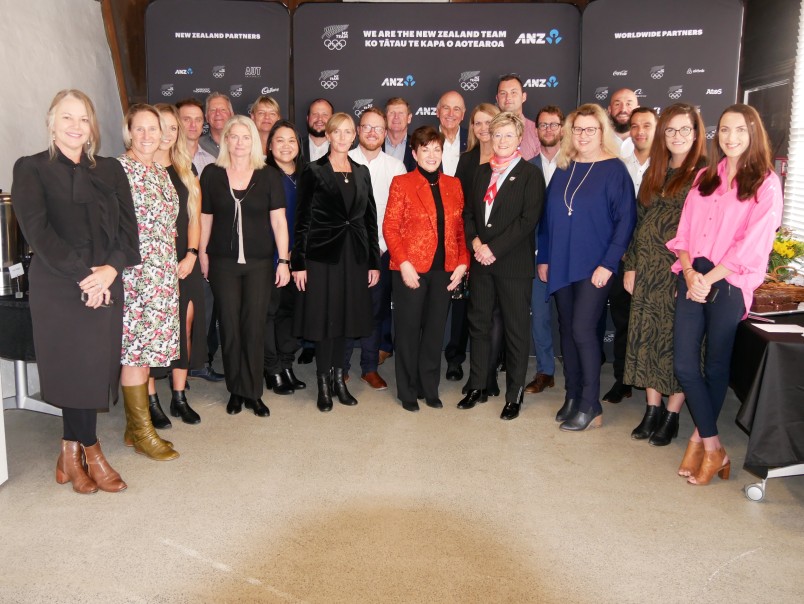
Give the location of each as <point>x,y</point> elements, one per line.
<point>541,328</point>
<point>705,390</point>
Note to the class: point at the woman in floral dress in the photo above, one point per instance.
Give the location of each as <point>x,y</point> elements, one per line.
<point>151,298</point>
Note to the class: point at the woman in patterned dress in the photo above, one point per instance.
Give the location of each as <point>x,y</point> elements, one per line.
<point>675,157</point>
<point>151,292</point>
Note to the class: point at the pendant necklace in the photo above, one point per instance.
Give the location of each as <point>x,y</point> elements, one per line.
<point>572,197</point>
<point>345,177</point>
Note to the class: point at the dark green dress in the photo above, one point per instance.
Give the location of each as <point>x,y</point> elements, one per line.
<point>649,357</point>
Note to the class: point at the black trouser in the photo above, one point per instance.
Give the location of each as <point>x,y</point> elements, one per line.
<point>513,297</point>
<point>421,316</point>
<point>620,308</point>
<point>280,343</point>
<point>242,293</point>
<point>211,319</point>
<point>80,425</point>
<point>455,352</point>
<point>385,315</point>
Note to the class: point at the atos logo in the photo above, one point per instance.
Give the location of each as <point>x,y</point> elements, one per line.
<point>657,72</point>
<point>426,111</point>
<point>554,37</point>
<point>710,132</point>
<point>329,79</point>
<point>253,72</point>
<point>602,93</point>
<point>675,92</point>
<point>335,36</point>
<point>469,80</point>
<point>551,82</point>
<point>714,91</point>
<point>188,71</point>
<point>361,105</point>
<point>167,89</point>
<point>406,81</point>
<point>236,90</point>
<point>219,71</point>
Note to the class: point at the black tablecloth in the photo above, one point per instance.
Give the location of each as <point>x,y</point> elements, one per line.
<point>16,331</point>
<point>767,375</point>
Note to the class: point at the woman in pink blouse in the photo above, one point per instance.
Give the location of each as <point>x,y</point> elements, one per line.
<point>723,241</point>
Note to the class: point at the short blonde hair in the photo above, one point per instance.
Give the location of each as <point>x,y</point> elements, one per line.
<point>337,120</point>
<point>93,144</point>
<point>506,118</point>
<point>608,142</point>
<point>257,153</point>
<point>268,101</point>
<point>129,118</point>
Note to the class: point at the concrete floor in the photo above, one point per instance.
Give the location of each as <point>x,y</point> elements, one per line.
<point>374,504</point>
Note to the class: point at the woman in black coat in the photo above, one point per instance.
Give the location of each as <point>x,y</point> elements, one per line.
<point>76,212</point>
<point>336,257</point>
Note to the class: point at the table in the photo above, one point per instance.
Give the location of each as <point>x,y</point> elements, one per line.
<point>767,375</point>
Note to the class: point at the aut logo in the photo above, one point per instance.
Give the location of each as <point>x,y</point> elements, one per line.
<point>335,36</point>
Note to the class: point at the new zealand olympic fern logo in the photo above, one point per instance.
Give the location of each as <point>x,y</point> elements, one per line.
<point>361,105</point>
<point>469,80</point>
<point>329,79</point>
<point>335,36</point>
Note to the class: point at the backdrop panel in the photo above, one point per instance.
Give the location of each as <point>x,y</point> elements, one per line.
<point>685,50</point>
<point>360,55</point>
<point>195,47</point>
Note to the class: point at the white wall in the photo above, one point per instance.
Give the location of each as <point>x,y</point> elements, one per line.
<point>47,45</point>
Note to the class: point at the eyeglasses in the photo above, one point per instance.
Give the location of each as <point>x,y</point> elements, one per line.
<point>684,131</point>
<point>507,137</point>
<point>365,129</point>
<point>549,126</point>
<point>590,131</point>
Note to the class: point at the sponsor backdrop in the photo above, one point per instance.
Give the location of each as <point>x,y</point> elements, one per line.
<point>195,47</point>
<point>685,50</point>
<point>358,56</point>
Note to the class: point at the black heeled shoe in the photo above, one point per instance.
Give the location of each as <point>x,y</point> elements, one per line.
<point>341,391</point>
<point>583,420</point>
<point>324,381</point>
<point>434,403</point>
<point>568,409</point>
<point>158,417</point>
<point>235,404</point>
<point>413,407</point>
<point>180,408</point>
<point>277,383</point>
<point>291,379</point>
<point>257,406</point>
<point>649,423</point>
<point>666,431</point>
<point>472,398</point>
<point>511,410</point>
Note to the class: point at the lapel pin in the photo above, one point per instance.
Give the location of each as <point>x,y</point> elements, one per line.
<point>512,179</point>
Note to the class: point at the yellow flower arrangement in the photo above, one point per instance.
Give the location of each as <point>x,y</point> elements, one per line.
<point>786,250</point>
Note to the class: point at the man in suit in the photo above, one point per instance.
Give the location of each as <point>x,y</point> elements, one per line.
<point>450,112</point>
<point>500,222</point>
<point>314,145</point>
<point>398,114</point>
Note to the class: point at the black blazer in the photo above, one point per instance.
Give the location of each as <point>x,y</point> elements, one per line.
<point>510,230</point>
<point>323,222</point>
<point>408,160</point>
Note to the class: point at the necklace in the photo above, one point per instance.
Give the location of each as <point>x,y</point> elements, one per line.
<point>139,159</point>
<point>290,177</point>
<point>572,197</point>
<point>345,177</point>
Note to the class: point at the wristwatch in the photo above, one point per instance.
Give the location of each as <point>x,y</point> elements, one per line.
<point>192,250</point>
<point>283,261</point>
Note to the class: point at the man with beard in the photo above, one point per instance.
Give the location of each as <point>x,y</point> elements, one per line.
<point>314,144</point>
<point>398,115</point>
<point>549,121</point>
<point>623,102</point>
<point>383,168</point>
<point>511,97</point>
<point>191,114</point>
<point>642,127</point>
<point>450,112</point>
<point>219,110</point>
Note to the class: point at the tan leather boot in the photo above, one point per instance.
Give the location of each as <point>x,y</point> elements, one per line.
<point>140,429</point>
<point>99,470</point>
<point>70,468</point>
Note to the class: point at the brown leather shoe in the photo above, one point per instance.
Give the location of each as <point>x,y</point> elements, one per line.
<point>373,379</point>
<point>70,468</point>
<point>539,383</point>
<point>384,356</point>
<point>99,470</point>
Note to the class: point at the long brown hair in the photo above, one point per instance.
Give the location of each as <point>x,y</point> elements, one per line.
<point>653,182</point>
<point>753,165</point>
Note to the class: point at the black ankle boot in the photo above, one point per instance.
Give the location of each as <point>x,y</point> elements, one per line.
<point>158,417</point>
<point>568,409</point>
<point>291,379</point>
<point>650,421</point>
<point>666,431</point>
<point>324,381</point>
<point>277,383</point>
<point>339,386</point>
<point>180,408</point>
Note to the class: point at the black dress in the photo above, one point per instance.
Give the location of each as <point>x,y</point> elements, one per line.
<point>336,242</point>
<point>74,217</point>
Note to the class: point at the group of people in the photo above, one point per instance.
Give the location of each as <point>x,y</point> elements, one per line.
<point>311,240</point>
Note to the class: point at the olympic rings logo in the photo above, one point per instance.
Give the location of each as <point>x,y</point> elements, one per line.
<point>334,44</point>
<point>469,85</point>
<point>328,84</point>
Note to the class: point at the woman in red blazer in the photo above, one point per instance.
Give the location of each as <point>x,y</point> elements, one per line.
<point>423,229</point>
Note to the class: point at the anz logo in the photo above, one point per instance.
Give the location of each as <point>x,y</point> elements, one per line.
<point>551,82</point>
<point>406,81</point>
<point>426,111</point>
<point>554,37</point>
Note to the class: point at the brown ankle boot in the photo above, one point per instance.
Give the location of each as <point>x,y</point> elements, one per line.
<point>140,429</point>
<point>70,468</point>
<point>99,470</point>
